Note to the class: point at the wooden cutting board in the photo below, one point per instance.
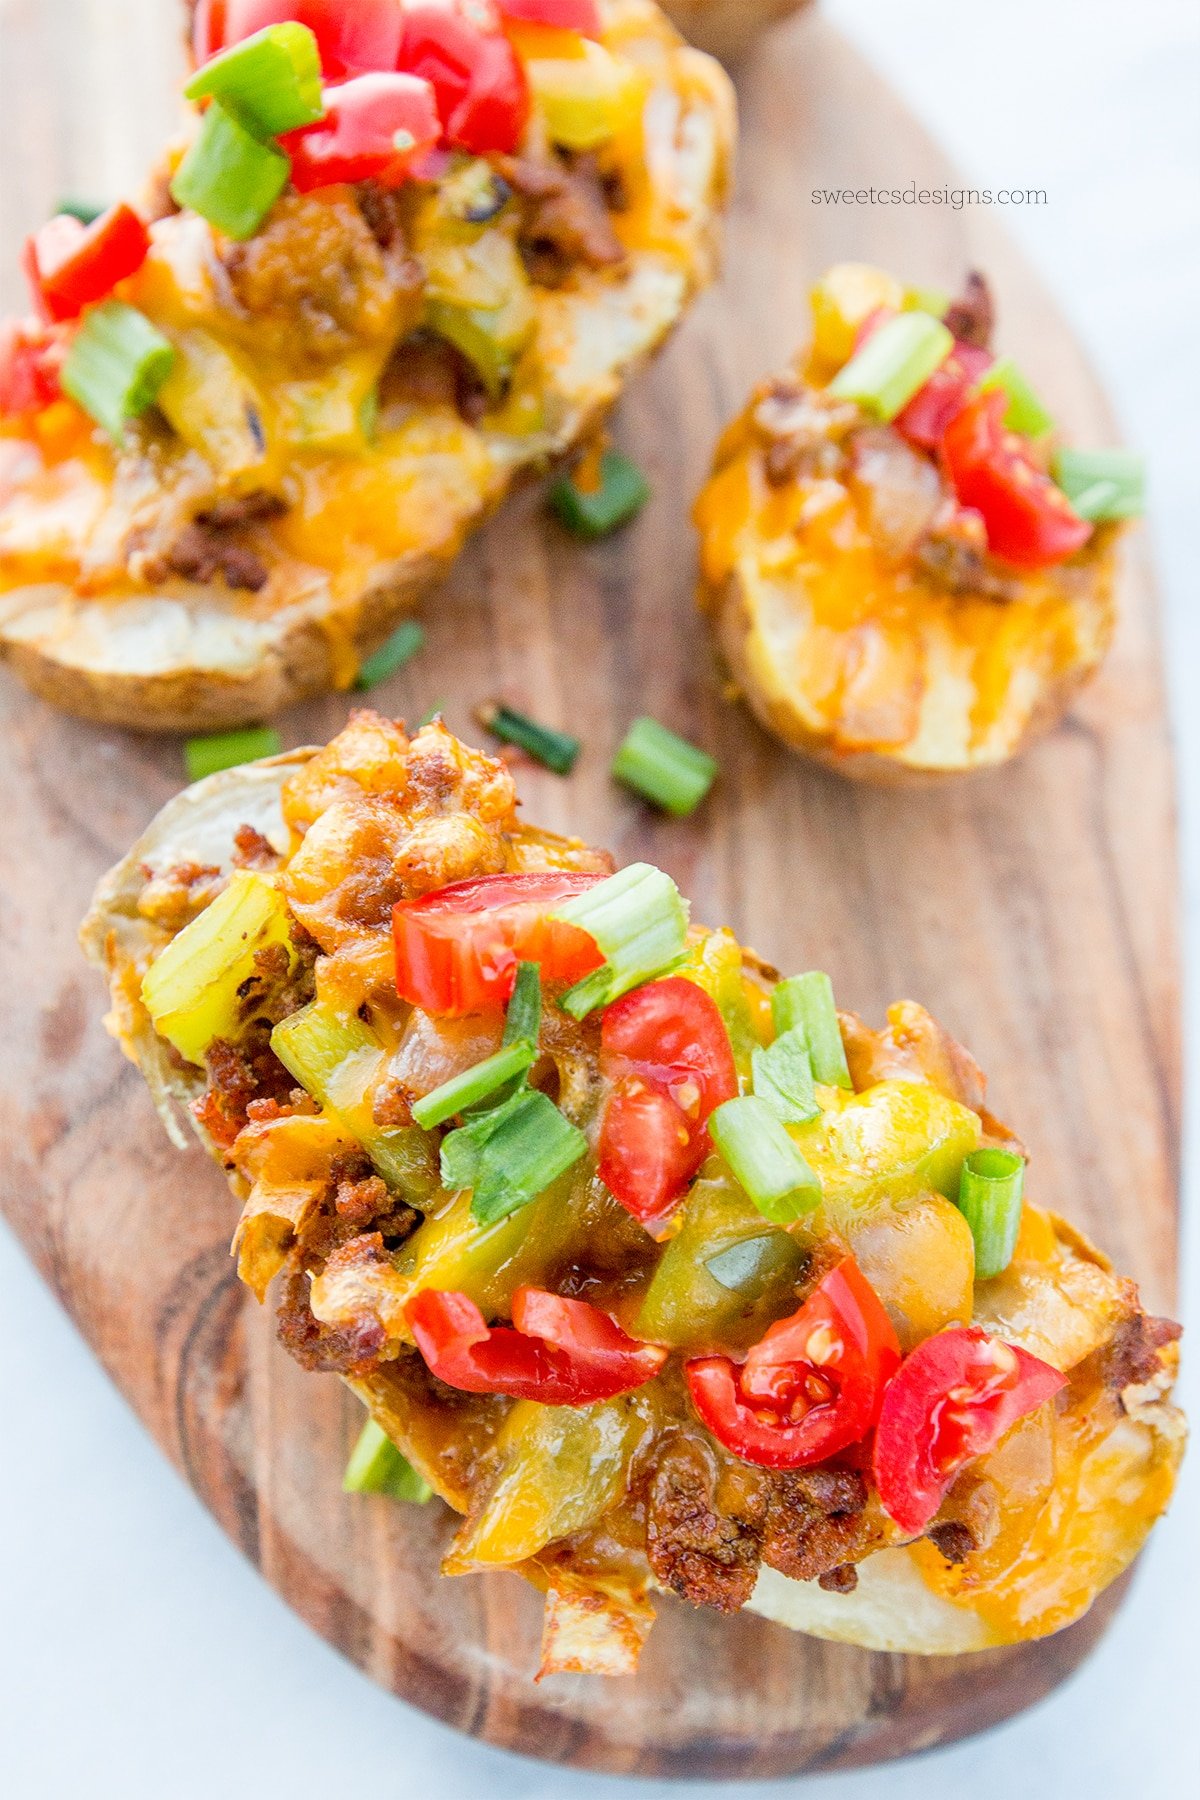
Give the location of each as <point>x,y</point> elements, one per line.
<point>1033,910</point>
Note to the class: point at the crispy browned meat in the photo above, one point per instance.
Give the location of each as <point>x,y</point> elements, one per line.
<point>239,1074</point>
<point>173,897</point>
<point>696,1549</point>
<point>842,1580</point>
<point>566,215</point>
<point>251,850</point>
<point>1131,1356</point>
<point>972,317</point>
<point>202,552</point>
<point>338,1351</point>
<point>815,1522</point>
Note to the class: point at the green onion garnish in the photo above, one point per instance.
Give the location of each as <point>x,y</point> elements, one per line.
<point>116,364</point>
<point>623,491</point>
<point>1026,413</point>
<point>523,1020</point>
<point>805,1002</point>
<point>228,750</point>
<point>989,1197</point>
<point>473,1085</point>
<point>763,1158</point>
<point>510,1154</point>
<point>639,919</point>
<point>270,82</point>
<point>664,768</point>
<point>86,211</point>
<point>400,648</point>
<point>377,1467</point>
<point>555,749</point>
<point>1102,484</point>
<point>783,1077</point>
<point>894,362</point>
<point>228,176</point>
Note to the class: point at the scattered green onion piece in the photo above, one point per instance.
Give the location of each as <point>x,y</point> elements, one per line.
<point>783,1077</point>
<point>270,82</point>
<point>228,750</point>
<point>435,712</point>
<point>1026,413</point>
<point>401,647</point>
<point>989,1198</point>
<point>377,1467</point>
<point>523,1020</point>
<point>639,919</point>
<point>228,176</point>
<point>894,362</point>
<point>622,493</point>
<point>86,211</point>
<point>763,1158</point>
<point>556,750</point>
<point>116,364</point>
<point>1102,484</point>
<point>510,1154</point>
<point>806,1002</point>
<point>664,768</point>
<point>473,1085</point>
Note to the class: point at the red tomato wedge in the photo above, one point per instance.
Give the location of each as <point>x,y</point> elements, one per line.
<point>375,127</point>
<point>71,265</point>
<point>353,36</point>
<point>482,94</point>
<point>932,407</point>
<point>1030,522</point>
<point>31,359</point>
<point>953,1399</point>
<point>666,1050</point>
<point>558,15</point>
<point>559,1352</point>
<point>457,949</point>
<point>813,1385</point>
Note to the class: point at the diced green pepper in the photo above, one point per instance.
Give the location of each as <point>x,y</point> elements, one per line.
<point>191,989</point>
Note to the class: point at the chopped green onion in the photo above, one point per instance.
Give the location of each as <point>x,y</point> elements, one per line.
<point>1102,484</point>
<point>435,712</point>
<point>523,1020</point>
<point>806,1002</point>
<point>555,749</point>
<point>116,364</point>
<point>454,1096</point>
<point>228,176</point>
<point>377,1467</point>
<point>895,361</point>
<point>639,919</point>
<point>270,82</point>
<point>86,211</point>
<point>783,1077</point>
<point>229,750</point>
<point>664,768</point>
<point>763,1158</point>
<point>400,648</point>
<point>623,491</point>
<point>510,1154</point>
<point>1026,413</point>
<point>989,1198</point>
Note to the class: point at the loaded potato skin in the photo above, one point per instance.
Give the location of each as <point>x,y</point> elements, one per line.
<point>663,1273</point>
<point>310,404</point>
<point>899,588</point>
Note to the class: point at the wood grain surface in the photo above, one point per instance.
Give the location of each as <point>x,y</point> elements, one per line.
<point>1033,910</point>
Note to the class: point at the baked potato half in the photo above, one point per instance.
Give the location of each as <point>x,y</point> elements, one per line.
<point>892,569</point>
<point>663,1274</point>
<point>353,385</point>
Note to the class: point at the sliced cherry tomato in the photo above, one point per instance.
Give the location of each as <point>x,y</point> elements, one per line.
<point>353,36</point>
<point>812,1386</point>
<point>71,265</point>
<point>666,1050</point>
<point>954,1398</point>
<point>457,949</point>
<point>560,1352</point>
<point>482,93</point>
<point>1029,521</point>
<point>559,15</point>
<point>375,127</point>
<point>932,407</point>
<point>31,359</point>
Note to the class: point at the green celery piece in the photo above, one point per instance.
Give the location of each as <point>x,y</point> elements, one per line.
<point>270,82</point>
<point>228,176</point>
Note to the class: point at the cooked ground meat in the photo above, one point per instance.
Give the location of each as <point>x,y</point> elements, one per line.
<point>175,896</point>
<point>953,1540</point>
<point>251,850</point>
<point>244,509</point>
<point>949,558</point>
<point>1131,1356</point>
<point>842,1580</point>
<point>237,1075</point>
<point>355,1200</point>
<point>202,552</point>
<point>815,1522</point>
<point>428,371</point>
<point>972,317</point>
<point>566,216</point>
<point>321,1347</point>
<point>695,1550</point>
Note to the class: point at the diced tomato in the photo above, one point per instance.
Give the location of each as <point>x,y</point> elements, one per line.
<point>666,1050</point>
<point>457,949</point>
<point>1029,521</point>
<point>31,359</point>
<point>953,1399</point>
<point>482,93</point>
<point>375,127</point>
<point>558,15</point>
<point>557,1351</point>
<point>353,36</point>
<point>71,265</point>
<point>812,1386</point>
<point>932,407</point>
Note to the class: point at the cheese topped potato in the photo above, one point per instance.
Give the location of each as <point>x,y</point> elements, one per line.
<point>388,272</point>
<point>906,575</point>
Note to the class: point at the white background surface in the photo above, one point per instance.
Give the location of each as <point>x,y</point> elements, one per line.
<point>139,1655</point>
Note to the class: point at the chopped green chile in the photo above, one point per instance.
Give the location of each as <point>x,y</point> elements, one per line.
<point>990,1198</point>
<point>1102,484</point>
<point>664,768</point>
<point>896,361</point>
<point>377,1467</point>
<point>805,1003</point>
<point>270,82</point>
<point>228,176</point>
<point>509,1155</point>
<point>116,364</point>
<point>763,1158</point>
<point>639,920</point>
<point>622,493</point>
<point>229,750</point>
<point>783,1077</point>
<point>555,750</point>
<point>405,642</point>
<point>1026,413</point>
<point>473,1085</point>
